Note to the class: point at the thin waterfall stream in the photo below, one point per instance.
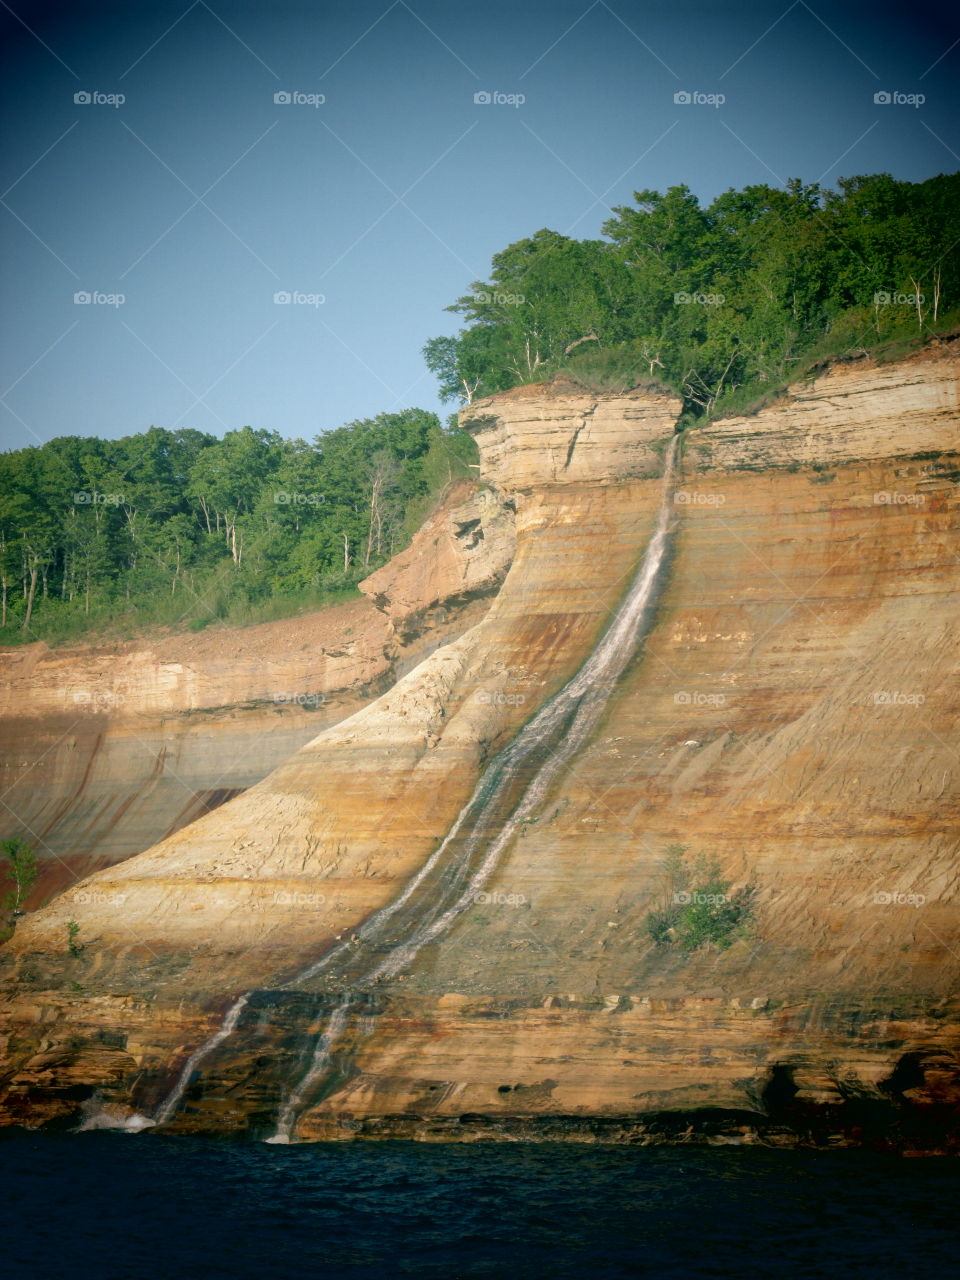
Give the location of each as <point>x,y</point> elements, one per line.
<point>414,918</point>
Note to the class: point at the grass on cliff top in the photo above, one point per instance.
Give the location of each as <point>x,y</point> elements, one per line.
<point>612,370</point>
<point>105,625</point>
<point>626,367</point>
<point>840,347</point>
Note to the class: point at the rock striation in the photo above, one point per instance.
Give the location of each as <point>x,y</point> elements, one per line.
<point>460,554</point>
<point>793,714</point>
<point>104,750</point>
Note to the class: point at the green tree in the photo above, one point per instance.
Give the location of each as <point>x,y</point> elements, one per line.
<point>717,299</point>
<point>21,867</point>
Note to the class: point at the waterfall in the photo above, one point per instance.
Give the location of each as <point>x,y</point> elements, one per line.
<point>411,921</point>
<point>321,1056</point>
<point>172,1101</point>
<point>587,693</point>
<point>577,708</point>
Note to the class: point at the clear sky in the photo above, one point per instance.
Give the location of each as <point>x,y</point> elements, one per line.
<point>199,197</point>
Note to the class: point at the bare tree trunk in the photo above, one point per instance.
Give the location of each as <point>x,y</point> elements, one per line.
<point>375,518</point>
<point>590,337</point>
<point>918,301</point>
<point>34,572</point>
<point>346,552</point>
<point>716,394</point>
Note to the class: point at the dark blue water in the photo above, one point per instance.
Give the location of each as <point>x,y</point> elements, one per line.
<point>122,1207</point>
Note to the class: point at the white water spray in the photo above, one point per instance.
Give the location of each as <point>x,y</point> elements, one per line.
<point>98,1114</point>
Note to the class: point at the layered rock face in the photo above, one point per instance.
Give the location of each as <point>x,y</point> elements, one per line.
<point>106,750</point>
<point>793,713</point>
<point>460,554</point>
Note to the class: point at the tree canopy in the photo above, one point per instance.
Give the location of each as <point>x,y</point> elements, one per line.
<point>718,302</point>
<point>715,299</point>
<point>179,525</point>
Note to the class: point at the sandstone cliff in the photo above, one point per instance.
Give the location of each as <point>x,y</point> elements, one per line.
<point>793,712</point>
<point>104,750</point>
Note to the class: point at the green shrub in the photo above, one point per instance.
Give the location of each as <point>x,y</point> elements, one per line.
<point>697,908</point>
<point>74,946</point>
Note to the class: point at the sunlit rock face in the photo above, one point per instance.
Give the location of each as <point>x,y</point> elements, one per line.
<point>461,553</point>
<point>105,750</point>
<point>793,713</point>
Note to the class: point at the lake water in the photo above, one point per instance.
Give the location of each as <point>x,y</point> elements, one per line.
<point>123,1207</point>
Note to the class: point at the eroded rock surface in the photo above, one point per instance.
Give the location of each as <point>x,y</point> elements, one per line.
<point>461,553</point>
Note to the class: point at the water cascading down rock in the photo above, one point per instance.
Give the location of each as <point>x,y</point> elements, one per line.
<point>512,787</point>
<point>794,717</point>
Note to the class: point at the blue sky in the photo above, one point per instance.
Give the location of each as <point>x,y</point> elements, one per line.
<point>198,198</point>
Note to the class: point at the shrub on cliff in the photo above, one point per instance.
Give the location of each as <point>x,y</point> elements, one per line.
<point>698,908</point>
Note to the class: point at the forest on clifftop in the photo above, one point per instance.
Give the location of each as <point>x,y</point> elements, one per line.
<point>723,305</point>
